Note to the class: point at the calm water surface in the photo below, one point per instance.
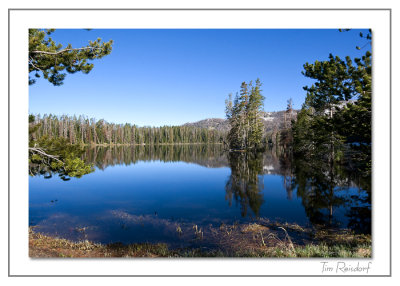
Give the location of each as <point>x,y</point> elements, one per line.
<point>141,194</point>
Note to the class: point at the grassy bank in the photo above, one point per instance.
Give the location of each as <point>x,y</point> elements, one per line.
<point>248,240</point>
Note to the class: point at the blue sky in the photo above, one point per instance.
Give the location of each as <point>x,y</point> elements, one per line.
<point>170,77</point>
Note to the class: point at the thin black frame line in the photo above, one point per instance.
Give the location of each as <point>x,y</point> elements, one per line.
<point>199,9</point>
<point>390,139</point>
<point>9,11</point>
<point>213,9</point>
<point>170,276</point>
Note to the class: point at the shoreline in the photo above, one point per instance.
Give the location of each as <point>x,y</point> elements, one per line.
<point>260,239</point>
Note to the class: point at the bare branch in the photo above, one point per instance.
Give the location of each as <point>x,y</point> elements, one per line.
<point>36,67</point>
<point>41,152</point>
<point>63,51</point>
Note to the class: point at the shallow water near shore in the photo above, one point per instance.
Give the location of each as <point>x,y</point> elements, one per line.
<point>171,194</point>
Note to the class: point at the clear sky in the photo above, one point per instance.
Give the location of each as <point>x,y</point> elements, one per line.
<point>170,77</point>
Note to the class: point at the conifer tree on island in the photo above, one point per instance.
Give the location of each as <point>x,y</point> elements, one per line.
<point>244,115</point>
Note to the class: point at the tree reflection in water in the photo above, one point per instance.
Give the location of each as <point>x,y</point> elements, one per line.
<point>244,184</point>
<point>208,155</point>
<point>322,187</point>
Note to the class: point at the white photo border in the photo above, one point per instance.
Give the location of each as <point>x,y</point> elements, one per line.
<point>20,20</point>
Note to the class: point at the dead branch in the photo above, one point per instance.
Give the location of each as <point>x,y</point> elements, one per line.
<point>36,67</point>
<point>42,152</point>
<point>63,51</point>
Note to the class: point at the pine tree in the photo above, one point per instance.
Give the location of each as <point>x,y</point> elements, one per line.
<point>325,128</point>
<point>354,121</point>
<point>254,109</point>
<point>233,113</point>
<point>48,156</point>
<point>286,136</point>
<point>244,116</point>
<point>49,59</point>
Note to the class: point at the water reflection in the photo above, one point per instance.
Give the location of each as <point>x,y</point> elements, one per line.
<point>325,190</point>
<point>208,155</point>
<point>325,187</point>
<point>245,185</point>
<point>270,184</point>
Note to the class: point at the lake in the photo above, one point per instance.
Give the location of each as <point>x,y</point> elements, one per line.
<point>156,193</point>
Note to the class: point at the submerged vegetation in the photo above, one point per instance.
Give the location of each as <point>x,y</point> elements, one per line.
<point>262,239</point>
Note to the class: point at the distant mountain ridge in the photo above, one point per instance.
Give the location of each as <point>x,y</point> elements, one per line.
<point>272,120</point>
<point>211,123</point>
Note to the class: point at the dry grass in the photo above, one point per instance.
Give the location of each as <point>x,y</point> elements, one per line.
<point>260,239</point>
<point>46,246</point>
